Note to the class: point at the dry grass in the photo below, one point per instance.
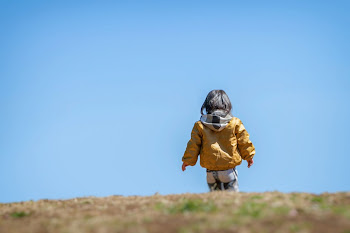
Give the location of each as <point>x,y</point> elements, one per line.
<point>185,213</point>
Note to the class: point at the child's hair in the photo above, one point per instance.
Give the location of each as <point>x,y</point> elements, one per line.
<point>216,100</point>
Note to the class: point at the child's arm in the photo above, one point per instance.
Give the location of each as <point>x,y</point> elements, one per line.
<point>245,146</point>
<point>193,147</point>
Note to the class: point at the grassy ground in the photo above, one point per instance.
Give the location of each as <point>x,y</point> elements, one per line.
<point>185,213</point>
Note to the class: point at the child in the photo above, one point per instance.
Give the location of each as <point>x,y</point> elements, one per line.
<point>222,142</point>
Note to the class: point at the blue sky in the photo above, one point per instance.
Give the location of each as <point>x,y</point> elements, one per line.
<point>99,98</point>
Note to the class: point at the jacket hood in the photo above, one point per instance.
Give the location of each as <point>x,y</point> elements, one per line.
<point>217,120</point>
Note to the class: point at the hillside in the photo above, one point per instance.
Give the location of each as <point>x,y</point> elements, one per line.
<point>184,213</point>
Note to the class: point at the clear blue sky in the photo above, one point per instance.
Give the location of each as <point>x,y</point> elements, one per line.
<point>99,98</point>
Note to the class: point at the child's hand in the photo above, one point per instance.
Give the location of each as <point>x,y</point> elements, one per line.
<point>184,165</point>
<point>250,162</point>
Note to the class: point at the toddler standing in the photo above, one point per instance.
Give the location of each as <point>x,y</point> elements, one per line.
<point>222,142</point>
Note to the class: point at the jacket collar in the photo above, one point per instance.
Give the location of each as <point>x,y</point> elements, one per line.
<point>217,120</point>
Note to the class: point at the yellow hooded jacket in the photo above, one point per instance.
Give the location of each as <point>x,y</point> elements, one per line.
<point>219,150</point>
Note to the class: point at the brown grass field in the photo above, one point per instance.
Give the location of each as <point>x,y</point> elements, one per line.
<point>182,213</point>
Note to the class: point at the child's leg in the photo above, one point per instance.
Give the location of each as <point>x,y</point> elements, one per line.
<point>229,179</point>
<point>231,186</point>
<point>213,181</point>
<point>215,186</point>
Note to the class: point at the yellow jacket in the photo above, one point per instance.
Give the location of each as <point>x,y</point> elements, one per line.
<point>219,150</point>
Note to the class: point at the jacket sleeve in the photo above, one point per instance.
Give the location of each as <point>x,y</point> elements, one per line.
<point>193,146</point>
<point>245,146</point>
